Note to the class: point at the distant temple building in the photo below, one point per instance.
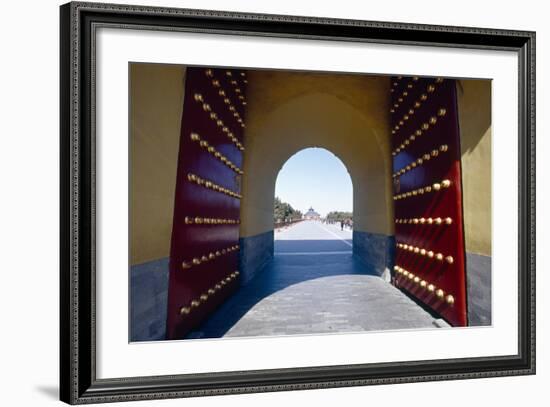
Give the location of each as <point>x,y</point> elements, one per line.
<point>312,215</point>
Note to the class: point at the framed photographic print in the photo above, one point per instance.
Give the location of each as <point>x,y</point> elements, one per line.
<point>256,203</point>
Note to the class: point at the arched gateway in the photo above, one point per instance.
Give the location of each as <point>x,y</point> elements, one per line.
<point>237,130</point>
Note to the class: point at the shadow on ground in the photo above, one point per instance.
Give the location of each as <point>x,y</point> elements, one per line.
<point>295,262</point>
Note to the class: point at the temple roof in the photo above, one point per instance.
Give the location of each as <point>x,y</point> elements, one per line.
<point>311,211</point>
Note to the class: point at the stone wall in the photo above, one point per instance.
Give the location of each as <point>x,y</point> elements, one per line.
<point>156,103</point>
<point>255,252</point>
<point>148,299</point>
<point>474,107</point>
<point>345,114</point>
<point>375,250</point>
<point>479,289</point>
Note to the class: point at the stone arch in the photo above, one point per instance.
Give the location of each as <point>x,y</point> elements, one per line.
<point>296,155</point>
<point>288,113</point>
<point>316,120</point>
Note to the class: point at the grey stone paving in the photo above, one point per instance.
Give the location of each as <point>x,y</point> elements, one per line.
<point>314,285</point>
<point>344,303</point>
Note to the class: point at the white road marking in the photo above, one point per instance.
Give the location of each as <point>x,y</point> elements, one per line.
<point>334,234</point>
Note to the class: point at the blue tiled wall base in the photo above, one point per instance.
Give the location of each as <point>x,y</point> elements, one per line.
<point>376,250</point>
<point>478,276</point>
<point>148,300</point>
<point>255,252</point>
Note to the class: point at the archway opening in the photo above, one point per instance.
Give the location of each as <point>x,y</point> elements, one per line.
<point>313,205</point>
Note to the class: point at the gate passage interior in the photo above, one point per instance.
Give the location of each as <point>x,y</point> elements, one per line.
<point>429,261</point>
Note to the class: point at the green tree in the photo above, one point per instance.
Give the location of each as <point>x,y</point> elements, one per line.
<point>337,216</point>
<point>284,212</point>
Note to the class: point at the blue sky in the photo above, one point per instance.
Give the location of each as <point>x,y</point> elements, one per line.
<point>315,177</point>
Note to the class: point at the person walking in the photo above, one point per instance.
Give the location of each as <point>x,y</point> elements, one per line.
<point>342,224</point>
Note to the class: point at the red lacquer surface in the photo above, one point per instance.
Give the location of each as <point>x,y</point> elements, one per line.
<point>204,251</point>
<point>425,124</point>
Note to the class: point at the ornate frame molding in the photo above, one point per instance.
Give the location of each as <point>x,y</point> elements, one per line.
<point>79,384</point>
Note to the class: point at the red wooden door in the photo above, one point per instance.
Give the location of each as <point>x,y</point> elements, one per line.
<point>205,233</point>
<point>430,259</point>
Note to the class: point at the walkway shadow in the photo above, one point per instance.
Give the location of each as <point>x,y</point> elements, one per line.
<point>295,261</point>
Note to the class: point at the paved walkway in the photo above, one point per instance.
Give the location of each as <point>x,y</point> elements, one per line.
<point>314,285</point>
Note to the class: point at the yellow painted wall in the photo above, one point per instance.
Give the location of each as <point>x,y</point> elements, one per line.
<point>345,114</point>
<point>287,112</point>
<point>474,104</point>
<point>155,119</point>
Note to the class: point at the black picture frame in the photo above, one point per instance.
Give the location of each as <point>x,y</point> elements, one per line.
<point>78,382</point>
